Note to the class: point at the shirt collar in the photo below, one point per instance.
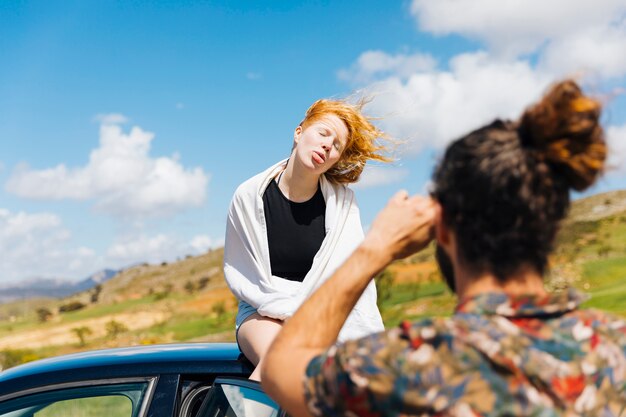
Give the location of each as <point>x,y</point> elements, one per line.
<point>492,303</point>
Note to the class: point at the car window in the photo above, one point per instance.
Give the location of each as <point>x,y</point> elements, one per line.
<point>109,405</point>
<point>232,398</point>
<point>108,400</point>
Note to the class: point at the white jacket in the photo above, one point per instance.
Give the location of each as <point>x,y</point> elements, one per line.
<point>247,261</point>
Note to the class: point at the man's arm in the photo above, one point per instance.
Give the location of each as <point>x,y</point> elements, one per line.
<point>402,228</point>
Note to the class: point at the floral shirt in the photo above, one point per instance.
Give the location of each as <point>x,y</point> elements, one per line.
<point>496,356</point>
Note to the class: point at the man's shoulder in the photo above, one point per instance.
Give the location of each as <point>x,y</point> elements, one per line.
<point>431,337</point>
<point>611,327</point>
<point>411,360</point>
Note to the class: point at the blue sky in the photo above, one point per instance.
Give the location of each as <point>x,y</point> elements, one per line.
<point>126,126</point>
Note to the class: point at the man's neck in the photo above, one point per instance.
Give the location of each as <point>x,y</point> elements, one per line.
<point>524,281</point>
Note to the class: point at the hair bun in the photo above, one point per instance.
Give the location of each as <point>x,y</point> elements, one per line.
<point>564,130</point>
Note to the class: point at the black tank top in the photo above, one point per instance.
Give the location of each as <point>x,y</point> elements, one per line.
<point>295,232</point>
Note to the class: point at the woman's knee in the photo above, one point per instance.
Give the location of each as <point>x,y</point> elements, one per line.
<point>256,334</point>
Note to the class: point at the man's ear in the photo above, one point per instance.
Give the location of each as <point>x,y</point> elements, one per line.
<point>442,232</point>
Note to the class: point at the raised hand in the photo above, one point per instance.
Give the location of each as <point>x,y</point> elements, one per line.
<point>403,227</point>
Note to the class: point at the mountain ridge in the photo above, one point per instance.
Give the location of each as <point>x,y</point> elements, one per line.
<point>52,287</point>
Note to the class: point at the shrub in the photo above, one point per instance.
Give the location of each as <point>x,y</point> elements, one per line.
<point>203,282</point>
<point>115,328</point>
<point>189,287</point>
<point>219,308</point>
<point>604,250</point>
<point>159,295</point>
<point>72,306</point>
<point>14,357</point>
<point>43,314</point>
<point>95,293</point>
<point>82,333</point>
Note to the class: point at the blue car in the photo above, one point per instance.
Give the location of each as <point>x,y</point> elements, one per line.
<point>178,380</point>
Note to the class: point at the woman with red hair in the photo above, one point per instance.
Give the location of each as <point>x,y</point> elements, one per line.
<point>292,225</point>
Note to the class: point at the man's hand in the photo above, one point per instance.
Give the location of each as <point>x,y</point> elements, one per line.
<point>403,227</point>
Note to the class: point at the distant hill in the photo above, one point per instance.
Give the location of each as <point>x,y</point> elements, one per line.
<point>598,206</point>
<point>98,278</point>
<point>146,279</point>
<point>52,288</point>
<point>595,227</point>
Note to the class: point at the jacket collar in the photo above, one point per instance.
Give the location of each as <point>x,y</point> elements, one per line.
<point>503,304</point>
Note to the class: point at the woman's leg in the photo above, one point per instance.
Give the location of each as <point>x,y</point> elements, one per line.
<point>255,336</point>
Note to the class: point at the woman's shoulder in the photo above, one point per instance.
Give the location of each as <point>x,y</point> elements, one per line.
<point>252,185</point>
<point>246,191</point>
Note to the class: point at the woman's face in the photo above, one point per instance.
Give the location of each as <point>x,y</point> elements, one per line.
<point>319,146</point>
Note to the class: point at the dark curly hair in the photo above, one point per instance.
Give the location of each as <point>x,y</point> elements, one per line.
<point>505,187</point>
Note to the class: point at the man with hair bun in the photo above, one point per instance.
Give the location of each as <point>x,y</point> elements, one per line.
<point>510,348</point>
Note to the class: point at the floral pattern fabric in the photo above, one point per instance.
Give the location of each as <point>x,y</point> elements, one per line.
<point>497,355</point>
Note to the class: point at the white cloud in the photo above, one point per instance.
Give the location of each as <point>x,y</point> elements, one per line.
<point>253,76</point>
<point>588,38</point>
<point>36,245</point>
<point>202,243</point>
<point>180,105</point>
<point>142,248</point>
<point>111,118</point>
<point>137,248</point>
<point>372,65</point>
<point>616,140</point>
<point>598,51</point>
<point>374,176</point>
<point>121,177</point>
<point>431,108</point>
<point>515,26</point>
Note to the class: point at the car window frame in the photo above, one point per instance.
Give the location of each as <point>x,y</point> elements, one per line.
<point>186,403</point>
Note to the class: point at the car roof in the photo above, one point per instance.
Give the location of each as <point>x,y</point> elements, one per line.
<point>187,358</point>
